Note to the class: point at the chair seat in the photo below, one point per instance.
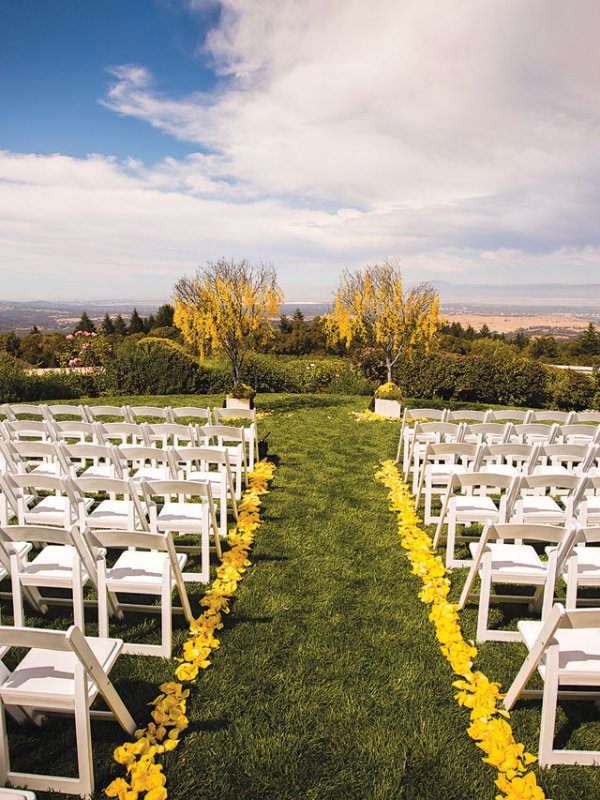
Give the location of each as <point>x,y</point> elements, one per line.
<point>443,472</point>
<point>501,469</point>
<point>46,678</point>
<point>110,514</point>
<point>214,478</point>
<point>550,469</point>
<point>475,507</point>
<point>49,511</point>
<point>542,505</point>
<point>579,660</point>
<point>98,471</point>
<point>139,571</point>
<point>53,566</point>
<point>588,564</point>
<point>512,561</point>
<point>22,549</point>
<point>152,474</point>
<point>173,516</point>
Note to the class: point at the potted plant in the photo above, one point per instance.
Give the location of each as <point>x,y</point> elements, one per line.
<point>240,396</point>
<point>387,400</point>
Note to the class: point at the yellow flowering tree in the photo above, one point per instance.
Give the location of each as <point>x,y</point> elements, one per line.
<point>226,308</point>
<point>371,304</point>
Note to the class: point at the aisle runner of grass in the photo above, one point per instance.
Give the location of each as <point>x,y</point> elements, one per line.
<point>328,684</point>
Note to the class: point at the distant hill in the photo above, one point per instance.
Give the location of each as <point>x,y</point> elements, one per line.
<point>544,297</point>
<point>21,317</point>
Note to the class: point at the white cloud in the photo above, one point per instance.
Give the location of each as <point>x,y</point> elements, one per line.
<point>460,137</point>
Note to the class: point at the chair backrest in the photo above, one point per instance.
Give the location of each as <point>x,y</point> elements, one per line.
<point>155,412</point>
<point>97,412</point>
<point>28,428</point>
<point>562,417</point>
<point>589,535</point>
<point>423,414</point>
<point>224,433</point>
<point>468,415</point>
<point>134,456</point>
<point>537,431</point>
<point>233,413</point>
<point>208,455</point>
<point>85,451</point>
<point>15,410</point>
<point>564,537</point>
<point>484,430</point>
<point>511,415</point>
<point>586,416</point>
<point>66,410</point>
<point>580,431</point>
<point>35,481</point>
<point>520,456</point>
<point>126,432</point>
<point>171,433</point>
<point>78,429</point>
<point>191,412</point>
<point>483,479</point>
<point>182,488</point>
<point>43,451</point>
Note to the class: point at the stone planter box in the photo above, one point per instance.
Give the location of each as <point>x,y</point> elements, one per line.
<point>388,408</point>
<point>236,402</point>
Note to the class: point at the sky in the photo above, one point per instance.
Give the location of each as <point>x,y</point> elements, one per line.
<point>141,139</point>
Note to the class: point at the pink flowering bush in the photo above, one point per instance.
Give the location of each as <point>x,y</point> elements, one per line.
<point>87,349</point>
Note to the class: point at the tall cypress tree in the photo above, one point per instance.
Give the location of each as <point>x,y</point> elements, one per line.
<point>136,323</point>
<point>85,324</point>
<point>107,325</point>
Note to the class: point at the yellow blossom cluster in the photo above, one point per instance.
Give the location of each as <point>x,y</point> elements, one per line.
<point>144,776</point>
<point>371,416</point>
<point>489,726</point>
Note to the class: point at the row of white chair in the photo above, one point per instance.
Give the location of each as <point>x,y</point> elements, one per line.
<point>425,433</point>
<point>185,507</point>
<point>440,461</point>
<point>125,413</point>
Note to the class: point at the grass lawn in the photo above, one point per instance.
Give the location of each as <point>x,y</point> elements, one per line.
<point>329,682</point>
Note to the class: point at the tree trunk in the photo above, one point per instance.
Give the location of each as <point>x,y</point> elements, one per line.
<point>389,364</point>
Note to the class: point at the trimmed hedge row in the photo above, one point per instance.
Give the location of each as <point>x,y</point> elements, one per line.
<point>518,382</point>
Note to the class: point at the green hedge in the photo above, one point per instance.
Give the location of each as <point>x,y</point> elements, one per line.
<point>267,373</point>
<point>17,384</point>
<point>511,382</point>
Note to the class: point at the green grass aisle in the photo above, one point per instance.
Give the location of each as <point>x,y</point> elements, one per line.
<point>329,683</point>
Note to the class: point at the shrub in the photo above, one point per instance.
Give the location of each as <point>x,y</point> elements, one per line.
<point>573,390</point>
<point>18,385</point>
<point>388,391</point>
<point>150,366</point>
<point>303,375</point>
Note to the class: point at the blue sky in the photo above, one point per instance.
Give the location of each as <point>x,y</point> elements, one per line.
<point>140,139</point>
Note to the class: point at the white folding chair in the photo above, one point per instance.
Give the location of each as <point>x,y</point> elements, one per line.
<point>63,672</point>
<point>565,650</point>
<point>121,433</point>
<point>534,433</point>
<point>76,431</point>
<point>28,429</point>
<point>409,417</point>
<point>172,434</point>
<point>425,433</point>
<point>487,433</point>
<point>91,460</point>
<point>220,415</point>
<point>474,504</point>
<point>232,441</point>
<point>569,459</point>
<point>147,565</point>
<point>40,458</point>
<point>508,459</point>
<point>534,504</point>
<point>187,508</point>
<point>586,416</point>
<point>194,464</point>
<point>506,555</point>
<point>469,415</point>
<point>59,509</point>
<point>65,562</point>
<point>146,463</point>
<point>588,509</point>
<point>580,433</point>
<point>438,464</point>
<point>122,509</point>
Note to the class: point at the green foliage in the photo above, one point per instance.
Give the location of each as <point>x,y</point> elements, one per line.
<point>277,374</point>
<point>164,316</point>
<point>18,385</point>
<point>120,326</point>
<point>573,391</point>
<point>10,343</point>
<point>136,323</point>
<point>107,326</point>
<point>518,381</point>
<point>43,349</point>
<point>147,366</point>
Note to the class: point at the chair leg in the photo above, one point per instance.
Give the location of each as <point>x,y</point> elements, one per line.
<point>484,599</point>
<point>83,731</point>
<point>550,698</point>
<point>166,617</point>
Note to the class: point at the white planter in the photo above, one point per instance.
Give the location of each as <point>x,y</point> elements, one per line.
<point>236,402</point>
<point>388,408</point>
